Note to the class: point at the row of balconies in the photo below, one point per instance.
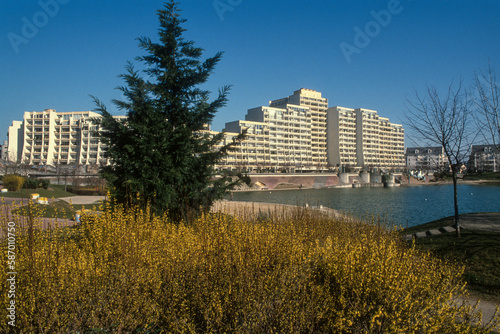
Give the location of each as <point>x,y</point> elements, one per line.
<point>37,130</point>
<point>37,115</point>
<point>264,159</point>
<point>287,143</point>
<point>347,126</point>
<point>278,130</point>
<point>287,122</point>
<point>37,122</point>
<point>275,151</point>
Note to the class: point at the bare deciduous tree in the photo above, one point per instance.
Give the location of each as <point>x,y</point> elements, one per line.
<point>487,106</point>
<point>443,120</point>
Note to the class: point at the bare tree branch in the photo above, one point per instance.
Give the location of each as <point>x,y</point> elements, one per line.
<point>443,120</point>
<point>487,105</point>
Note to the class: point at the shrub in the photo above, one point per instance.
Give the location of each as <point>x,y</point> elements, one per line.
<point>30,184</point>
<point>87,191</point>
<point>13,182</point>
<point>45,184</point>
<point>136,272</point>
<point>34,183</point>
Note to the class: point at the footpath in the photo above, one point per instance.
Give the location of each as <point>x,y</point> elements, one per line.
<point>484,221</point>
<point>45,223</point>
<point>471,221</point>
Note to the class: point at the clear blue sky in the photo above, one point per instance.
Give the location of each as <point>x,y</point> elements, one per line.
<point>271,49</point>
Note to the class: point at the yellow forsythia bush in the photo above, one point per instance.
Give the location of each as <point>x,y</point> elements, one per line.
<point>124,272</point>
<point>13,182</point>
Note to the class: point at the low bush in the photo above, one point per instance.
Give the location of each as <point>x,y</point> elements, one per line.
<point>13,182</point>
<point>87,191</point>
<point>34,183</point>
<point>482,176</point>
<point>136,272</point>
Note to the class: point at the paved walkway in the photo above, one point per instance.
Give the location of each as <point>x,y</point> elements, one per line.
<point>488,221</point>
<point>44,223</point>
<point>486,306</point>
<point>84,200</point>
<point>472,221</point>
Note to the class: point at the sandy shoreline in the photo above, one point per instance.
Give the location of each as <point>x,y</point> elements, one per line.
<point>251,209</point>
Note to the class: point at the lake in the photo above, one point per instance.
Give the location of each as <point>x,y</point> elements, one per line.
<point>400,205</point>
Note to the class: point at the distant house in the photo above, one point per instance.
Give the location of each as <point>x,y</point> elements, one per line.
<point>484,158</point>
<point>426,158</point>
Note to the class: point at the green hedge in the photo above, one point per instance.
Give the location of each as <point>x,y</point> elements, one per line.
<point>34,183</point>
<point>86,191</point>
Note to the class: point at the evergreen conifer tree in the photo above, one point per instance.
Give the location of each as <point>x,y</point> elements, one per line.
<point>162,154</point>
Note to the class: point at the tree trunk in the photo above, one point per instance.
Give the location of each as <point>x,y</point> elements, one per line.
<point>185,213</point>
<point>455,200</point>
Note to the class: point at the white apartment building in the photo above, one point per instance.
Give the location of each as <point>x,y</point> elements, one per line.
<point>426,158</point>
<point>317,106</point>
<point>392,144</point>
<point>251,153</point>
<point>56,138</point>
<point>276,139</point>
<point>484,158</point>
<point>14,142</point>
<point>368,138</point>
<point>341,137</point>
<point>361,138</point>
<point>296,133</point>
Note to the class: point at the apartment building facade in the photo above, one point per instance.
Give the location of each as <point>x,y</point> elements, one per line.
<point>56,138</point>
<point>293,134</point>
<point>360,138</point>
<point>392,144</point>
<point>426,158</point>
<point>317,106</point>
<point>342,138</point>
<point>484,158</point>
<point>253,152</point>
<point>276,139</point>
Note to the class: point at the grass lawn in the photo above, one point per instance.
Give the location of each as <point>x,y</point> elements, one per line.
<point>483,176</point>
<point>478,250</point>
<point>55,191</point>
<point>59,209</point>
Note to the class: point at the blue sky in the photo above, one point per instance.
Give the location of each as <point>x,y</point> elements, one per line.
<point>369,54</point>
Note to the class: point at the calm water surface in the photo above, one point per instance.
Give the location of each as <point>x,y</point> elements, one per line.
<point>400,205</point>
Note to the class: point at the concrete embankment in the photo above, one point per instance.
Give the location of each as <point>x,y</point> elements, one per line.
<point>320,180</point>
<point>295,181</point>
